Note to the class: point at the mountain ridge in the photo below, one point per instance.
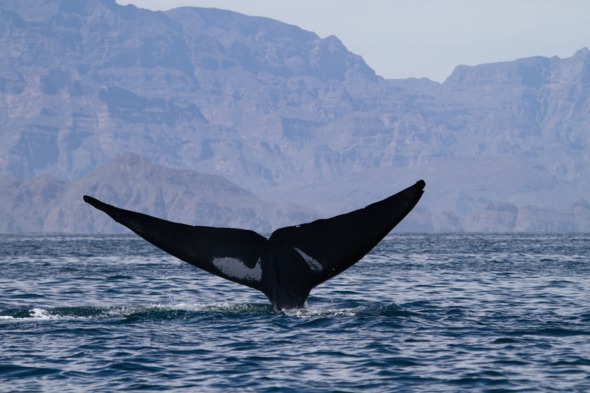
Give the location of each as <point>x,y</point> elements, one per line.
<point>46,204</point>
<point>287,115</point>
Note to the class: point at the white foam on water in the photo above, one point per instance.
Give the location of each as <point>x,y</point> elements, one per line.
<point>324,312</point>
<point>212,307</point>
<point>40,313</point>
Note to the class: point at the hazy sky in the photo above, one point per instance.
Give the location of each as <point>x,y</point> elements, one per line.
<point>426,38</point>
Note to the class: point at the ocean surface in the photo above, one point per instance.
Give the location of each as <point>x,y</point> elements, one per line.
<point>424,313</point>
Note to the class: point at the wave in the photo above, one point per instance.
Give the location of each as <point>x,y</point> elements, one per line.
<point>154,311</point>
<point>374,310</point>
<point>186,310</point>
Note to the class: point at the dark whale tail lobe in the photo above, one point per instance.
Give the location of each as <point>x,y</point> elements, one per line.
<point>287,265</point>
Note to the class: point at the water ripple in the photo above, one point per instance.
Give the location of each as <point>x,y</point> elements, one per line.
<point>420,313</point>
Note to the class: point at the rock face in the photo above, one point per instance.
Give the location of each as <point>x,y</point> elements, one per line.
<point>281,112</point>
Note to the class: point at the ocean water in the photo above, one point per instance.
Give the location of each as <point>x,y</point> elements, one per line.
<point>427,313</point>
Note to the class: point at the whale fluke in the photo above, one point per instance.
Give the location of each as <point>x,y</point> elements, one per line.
<point>288,264</point>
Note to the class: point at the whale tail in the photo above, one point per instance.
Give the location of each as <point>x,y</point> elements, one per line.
<point>287,265</point>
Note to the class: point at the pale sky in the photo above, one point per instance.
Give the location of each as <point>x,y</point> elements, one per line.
<point>426,38</point>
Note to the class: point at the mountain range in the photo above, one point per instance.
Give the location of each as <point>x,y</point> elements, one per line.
<point>212,117</point>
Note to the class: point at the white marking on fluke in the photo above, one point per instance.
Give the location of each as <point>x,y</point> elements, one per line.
<point>236,268</point>
<point>313,264</point>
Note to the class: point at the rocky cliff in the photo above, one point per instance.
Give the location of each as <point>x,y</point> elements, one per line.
<point>280,112</point>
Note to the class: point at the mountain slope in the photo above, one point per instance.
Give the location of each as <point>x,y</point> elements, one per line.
<point>287,115</point>
<point>45,204</point>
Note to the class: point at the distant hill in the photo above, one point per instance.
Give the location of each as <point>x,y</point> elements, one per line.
<point>45,204</point>
<point>276,110</point>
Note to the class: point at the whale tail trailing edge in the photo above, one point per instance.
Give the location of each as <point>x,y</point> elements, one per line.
<point>287,265</point>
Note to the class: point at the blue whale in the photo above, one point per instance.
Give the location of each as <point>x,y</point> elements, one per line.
<point>285,266</point>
